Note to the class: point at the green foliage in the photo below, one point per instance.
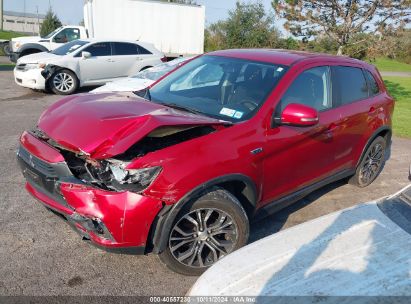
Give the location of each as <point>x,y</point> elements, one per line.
<point>386,64</point>
<point>247,26</point>
<point>7,35</point>
<point>50,23</point>
<point>400,89</point>
<point>341,20</point>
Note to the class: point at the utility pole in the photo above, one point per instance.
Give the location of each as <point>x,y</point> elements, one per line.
<point>1,15</point>
<point>38,20</point>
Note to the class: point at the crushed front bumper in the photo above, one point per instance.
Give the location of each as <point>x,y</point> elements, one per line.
<point>115,221</point>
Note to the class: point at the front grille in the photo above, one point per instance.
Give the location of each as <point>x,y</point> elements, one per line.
<point>37,163</point>
<point>43,176</point>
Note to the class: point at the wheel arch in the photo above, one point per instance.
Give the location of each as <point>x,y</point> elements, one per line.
<point>31,46</point>
<point>51,69</point>
<point>385,132</point>
<point>239,185</point>
<point>145,68</point>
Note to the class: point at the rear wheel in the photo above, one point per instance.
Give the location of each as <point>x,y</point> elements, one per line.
<point>371,164</point>
<point>204,232</point>
<point>63,82</point>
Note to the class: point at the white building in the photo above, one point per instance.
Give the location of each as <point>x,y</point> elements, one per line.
<point>22,22</point>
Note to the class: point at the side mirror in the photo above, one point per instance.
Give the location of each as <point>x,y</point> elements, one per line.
<point>299,115</point>
<point>85,55</point>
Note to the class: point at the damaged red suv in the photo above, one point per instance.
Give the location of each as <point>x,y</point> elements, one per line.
<point>181,168</point>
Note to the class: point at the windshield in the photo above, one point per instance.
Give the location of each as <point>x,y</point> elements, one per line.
<point>220,87</point>
<point>52,33</point>
<point>69,47</point>
<point>160,70</point>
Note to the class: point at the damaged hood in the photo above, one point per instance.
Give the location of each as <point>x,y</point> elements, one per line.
<point>105,125</point>
<point>43,57</point>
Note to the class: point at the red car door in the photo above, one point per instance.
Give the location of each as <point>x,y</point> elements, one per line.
<point>298,156</point>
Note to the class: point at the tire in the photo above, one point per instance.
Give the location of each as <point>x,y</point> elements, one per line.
<point>6,49</point>
<point>63,82</point>
<point>200,245</point>
<point>372,162</point>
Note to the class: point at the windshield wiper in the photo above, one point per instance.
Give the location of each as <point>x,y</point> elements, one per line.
<point>180,107</point>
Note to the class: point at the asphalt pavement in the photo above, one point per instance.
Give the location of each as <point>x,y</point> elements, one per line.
<point>41,255</point>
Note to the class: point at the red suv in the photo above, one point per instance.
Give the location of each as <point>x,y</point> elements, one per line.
<point>181,168</point>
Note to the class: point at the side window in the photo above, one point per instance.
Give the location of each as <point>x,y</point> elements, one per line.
<point>143,51</point>
<point>349,84</point>
<point>67,35</point>
<point>311,88</point>
<point>123,48</point>
<point>373,88</point>
<point>99,49</point>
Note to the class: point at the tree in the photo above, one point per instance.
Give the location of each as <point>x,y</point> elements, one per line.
<point>247,26</point>
<point>50,23</point>
<point>341,20</point>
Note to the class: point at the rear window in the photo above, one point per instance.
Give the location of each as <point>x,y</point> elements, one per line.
<point>349,84</point>
<point>124,48</point>
<point>373,88</point>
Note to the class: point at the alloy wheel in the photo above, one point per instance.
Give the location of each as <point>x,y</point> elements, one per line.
<point>202,237</point>
<point>63,82</point>
<point>372,165</point>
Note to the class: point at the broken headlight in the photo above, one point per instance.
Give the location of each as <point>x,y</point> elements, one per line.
<point>133,179</point>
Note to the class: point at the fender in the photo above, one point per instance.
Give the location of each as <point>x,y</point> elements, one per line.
<point>33,46</point>
<point>371,139</point>
<point>166,216</point>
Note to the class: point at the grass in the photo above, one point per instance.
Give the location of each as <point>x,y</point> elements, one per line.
<point>400,89</point>
<point>7,35</point>
<point>390,65</point>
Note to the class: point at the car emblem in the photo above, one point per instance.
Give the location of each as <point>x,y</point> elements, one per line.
<point>31,161</point>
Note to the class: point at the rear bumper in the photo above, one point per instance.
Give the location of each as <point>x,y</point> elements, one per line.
<point>114,221</point>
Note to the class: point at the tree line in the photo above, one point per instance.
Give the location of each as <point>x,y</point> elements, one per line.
<point>357,28</point>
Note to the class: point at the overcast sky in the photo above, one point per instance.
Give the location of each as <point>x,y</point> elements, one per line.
<point>71,11</point>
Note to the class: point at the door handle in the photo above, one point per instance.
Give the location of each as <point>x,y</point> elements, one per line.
<point>110,60</point>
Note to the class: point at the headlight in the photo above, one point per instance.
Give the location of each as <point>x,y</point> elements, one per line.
<point>17,45</point>
<point>134,179</point>
<point>31,66</point>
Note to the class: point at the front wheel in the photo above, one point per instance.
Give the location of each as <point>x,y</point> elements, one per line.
<point>205,231</point>
<point>371,163</point>
<point>63,82</point>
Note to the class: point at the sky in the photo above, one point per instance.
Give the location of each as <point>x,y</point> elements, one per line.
<point>71,11</point>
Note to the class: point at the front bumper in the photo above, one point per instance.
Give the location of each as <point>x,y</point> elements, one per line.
<point>115,221</point>
<point>30,78</point>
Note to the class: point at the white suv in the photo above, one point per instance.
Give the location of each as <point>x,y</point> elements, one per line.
<point>85,62</point>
